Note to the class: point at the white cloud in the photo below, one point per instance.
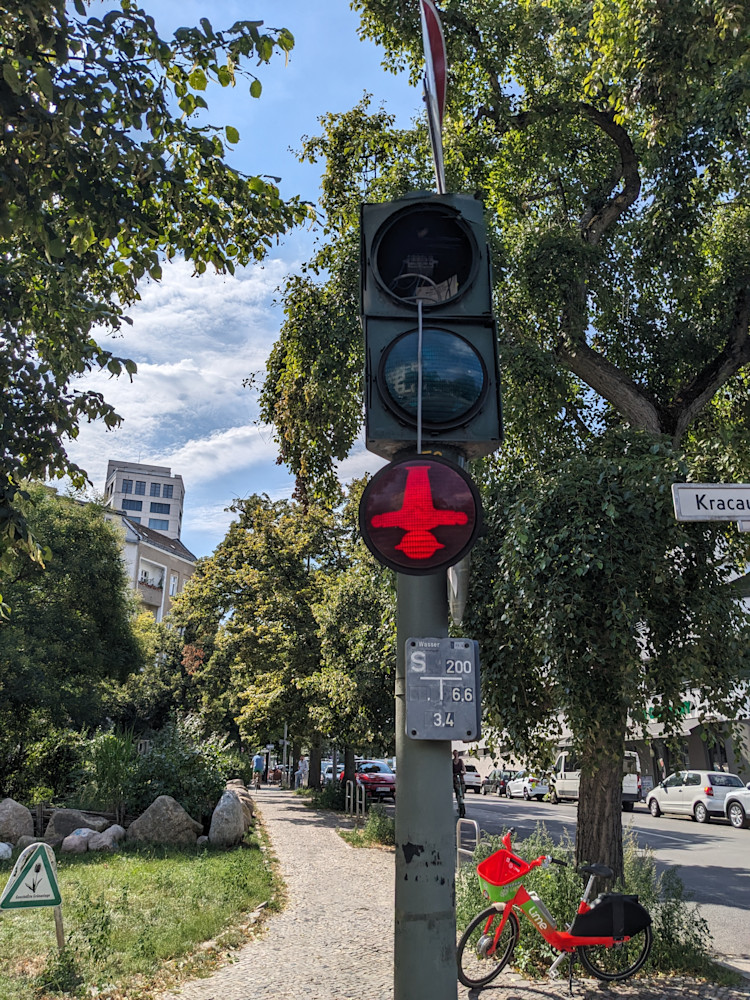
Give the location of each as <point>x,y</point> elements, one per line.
<point>222,452</point>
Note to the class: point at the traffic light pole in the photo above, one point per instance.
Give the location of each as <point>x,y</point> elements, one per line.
<point>425,918</point>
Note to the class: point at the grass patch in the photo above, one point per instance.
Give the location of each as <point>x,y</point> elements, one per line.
<point>134,920</point>
<point>682,941</point>
<point>379,830</point>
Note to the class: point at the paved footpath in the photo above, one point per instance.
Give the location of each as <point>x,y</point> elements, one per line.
<point>334,939</point>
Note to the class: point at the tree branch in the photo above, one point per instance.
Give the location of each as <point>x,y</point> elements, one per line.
<point>596,221</point>
<point>617,388</point>
<point>690,400</point>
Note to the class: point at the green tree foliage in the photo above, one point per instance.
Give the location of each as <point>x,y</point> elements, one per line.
<point>70,634</point>
<point>608,142</point>
<point>144,700</point>
<point>290,622</point>
<point>103,174</point>
<point>249,627</point>
<point>351,695</point>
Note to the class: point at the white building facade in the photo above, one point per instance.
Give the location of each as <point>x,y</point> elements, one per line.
<point>147,494</point>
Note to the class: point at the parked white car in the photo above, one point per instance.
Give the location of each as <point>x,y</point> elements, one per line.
<point>527,785</point>
<point>737,807</point>
<point>471,779</point>
<point>699,794</point>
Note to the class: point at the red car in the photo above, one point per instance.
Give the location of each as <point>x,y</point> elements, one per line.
<point>376,778</point>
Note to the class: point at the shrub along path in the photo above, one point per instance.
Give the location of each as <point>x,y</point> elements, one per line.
<point>333,941</point>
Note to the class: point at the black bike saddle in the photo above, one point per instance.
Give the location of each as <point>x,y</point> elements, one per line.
<point>602,871</point>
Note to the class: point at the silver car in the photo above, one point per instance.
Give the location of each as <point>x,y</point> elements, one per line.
<point>698,794</point>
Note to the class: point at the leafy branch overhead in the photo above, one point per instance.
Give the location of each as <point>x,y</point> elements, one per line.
<point>609,143</point>
<point>101,181</point>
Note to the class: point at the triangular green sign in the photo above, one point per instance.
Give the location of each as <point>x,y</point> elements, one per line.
<point>33,881</point>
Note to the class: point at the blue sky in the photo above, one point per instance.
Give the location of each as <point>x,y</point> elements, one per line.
<point>195,339</point>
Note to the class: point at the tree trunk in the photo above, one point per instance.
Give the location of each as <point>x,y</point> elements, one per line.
<point>599,832</point>
<point>313,777</point>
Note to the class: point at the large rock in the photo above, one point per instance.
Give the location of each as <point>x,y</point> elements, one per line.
<point>108,840</point>
<point>165,822</point>
<point>248,807</point>
<point>228,821</point>
<point>53,842</point>
<point>77,842</point>
<point>15,821</point>
<point>64,821</point>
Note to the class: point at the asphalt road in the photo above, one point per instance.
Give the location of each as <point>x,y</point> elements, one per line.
<point>713,859</point>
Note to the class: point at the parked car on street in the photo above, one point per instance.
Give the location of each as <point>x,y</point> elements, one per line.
<point>527,785</point>
<point>471,778</point>
<point>737,807</point>
<point>377,779</point>
<point>496,781</point>
<point>698,794</point>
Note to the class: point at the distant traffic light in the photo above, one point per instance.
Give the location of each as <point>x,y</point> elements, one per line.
<point>431,375</point>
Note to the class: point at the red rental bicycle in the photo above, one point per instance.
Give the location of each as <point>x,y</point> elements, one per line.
<point>612,935</point>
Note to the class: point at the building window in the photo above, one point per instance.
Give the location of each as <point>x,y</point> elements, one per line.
<point>159,508</point>
<point>132,505</point>
<point>173,585</point>
<point>140,488</point>
<point>155,490</point>
<point>157,524</point>
<point>127,486</point>
<point>168,492</point>
<point>134,517</point>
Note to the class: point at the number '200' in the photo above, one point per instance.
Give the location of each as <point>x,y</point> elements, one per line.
<point>458,666</point>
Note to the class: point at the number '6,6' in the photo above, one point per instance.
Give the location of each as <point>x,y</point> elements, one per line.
<point>462,694</point>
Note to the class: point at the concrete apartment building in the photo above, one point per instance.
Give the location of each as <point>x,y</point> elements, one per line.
<point>147,502</point>
<point>148,494</point>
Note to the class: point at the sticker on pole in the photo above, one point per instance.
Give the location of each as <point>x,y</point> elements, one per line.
<point>33,881</point>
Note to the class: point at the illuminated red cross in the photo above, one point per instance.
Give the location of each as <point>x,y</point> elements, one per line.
<point>418,516</point>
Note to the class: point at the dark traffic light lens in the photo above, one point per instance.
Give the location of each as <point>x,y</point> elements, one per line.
<point>453,377</point>
<point>425,253</point>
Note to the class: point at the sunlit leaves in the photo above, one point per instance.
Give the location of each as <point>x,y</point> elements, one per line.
<point>100,181</point>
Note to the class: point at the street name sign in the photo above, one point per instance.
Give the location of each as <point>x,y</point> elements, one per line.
<point>711,501</point>
<point>33,881</point>
<point>442,689</point>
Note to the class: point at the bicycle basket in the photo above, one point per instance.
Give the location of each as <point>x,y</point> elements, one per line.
<point>497,872</point>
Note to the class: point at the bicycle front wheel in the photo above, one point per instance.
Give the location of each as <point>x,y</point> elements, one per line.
<point>619,961</point>
<point>475,966</point>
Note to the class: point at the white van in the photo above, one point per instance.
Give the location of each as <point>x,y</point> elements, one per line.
<point>567,780</point>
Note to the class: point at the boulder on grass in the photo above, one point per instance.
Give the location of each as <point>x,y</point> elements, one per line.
<point>77,842</point>
<point>108,840</point>
<point>15,821</point>
<point>227,822</point>
<point>165,822</point>
<point>64,821</point>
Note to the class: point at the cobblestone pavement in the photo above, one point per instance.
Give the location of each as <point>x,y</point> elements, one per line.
<point>334,939</point>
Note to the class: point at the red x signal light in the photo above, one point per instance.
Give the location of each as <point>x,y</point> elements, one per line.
<point>420,515</point>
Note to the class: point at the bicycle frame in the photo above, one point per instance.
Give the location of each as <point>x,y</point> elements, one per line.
<point>562,941</point>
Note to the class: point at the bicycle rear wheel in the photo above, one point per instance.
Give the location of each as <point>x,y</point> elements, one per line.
<point>475,967</point>
<point>619,961</point>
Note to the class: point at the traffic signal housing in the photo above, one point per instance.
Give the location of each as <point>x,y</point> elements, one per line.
<point>427,282</point>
